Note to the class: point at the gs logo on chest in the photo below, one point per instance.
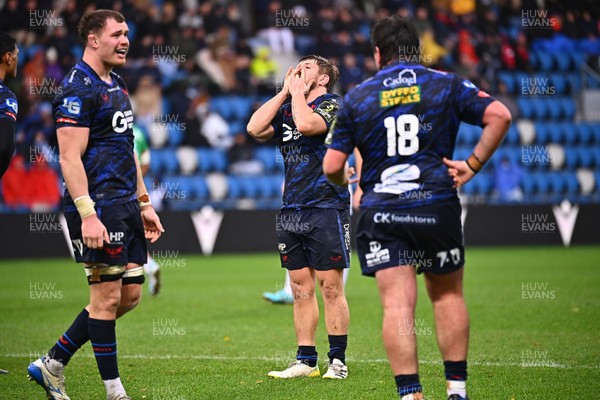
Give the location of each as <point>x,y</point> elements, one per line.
<point>290,134</point>
<point>122,121</point>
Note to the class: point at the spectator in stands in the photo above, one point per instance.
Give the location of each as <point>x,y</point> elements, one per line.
<point>213,127</point>
<point>218,59</point>
<point>263,72</point>
<point>350,73</point>
<point>16,188</point>
<point>241,158</point>
<point>44,183</point>
<point>276,31</point>
<point>146,102</point>
<point>522,52</point>
<point>506,181</point>
<point>505,98</point>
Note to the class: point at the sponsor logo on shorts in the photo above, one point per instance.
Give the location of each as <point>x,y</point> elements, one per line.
<point>388,218</point>
<point>347,236</point>
<point>116,237</point>
<point>377,255</point>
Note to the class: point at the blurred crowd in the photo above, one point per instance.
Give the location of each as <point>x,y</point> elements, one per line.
<point>184,53</point>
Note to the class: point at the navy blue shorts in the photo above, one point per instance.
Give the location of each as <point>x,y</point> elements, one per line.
<point>318,238</point>
<point>125,230</point>
<point>429,238</point>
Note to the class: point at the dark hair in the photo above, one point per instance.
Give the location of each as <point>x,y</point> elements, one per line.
<point>8,43</point>
<point>325,67</point>
<point>396,37</point>
<point>95,21</point>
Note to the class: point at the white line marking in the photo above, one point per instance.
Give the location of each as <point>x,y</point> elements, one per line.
<point>528,364</point>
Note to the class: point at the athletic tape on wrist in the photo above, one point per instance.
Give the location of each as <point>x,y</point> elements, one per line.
<point>85,206</point>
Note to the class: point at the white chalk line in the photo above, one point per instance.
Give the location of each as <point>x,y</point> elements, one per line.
<point>542,363</point>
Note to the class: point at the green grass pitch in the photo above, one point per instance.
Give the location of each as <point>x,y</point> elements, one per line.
<point>535,330</point>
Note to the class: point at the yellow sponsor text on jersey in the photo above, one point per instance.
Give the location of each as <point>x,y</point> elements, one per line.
<point>400,95</point>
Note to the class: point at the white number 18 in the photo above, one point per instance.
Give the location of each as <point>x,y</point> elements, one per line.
<point>402,135</point>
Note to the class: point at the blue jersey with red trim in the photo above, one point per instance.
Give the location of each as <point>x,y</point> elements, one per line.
<point>87,101</point>
<point>404,121</point>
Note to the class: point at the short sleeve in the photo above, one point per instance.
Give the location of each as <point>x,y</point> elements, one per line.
<point>328,110</point>
<point>341,133</point>
<point>74,104</point>
<point>8,106</point>
<point>471,101</point>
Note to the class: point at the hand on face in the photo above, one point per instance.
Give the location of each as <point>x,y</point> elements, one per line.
<point>302,81</point>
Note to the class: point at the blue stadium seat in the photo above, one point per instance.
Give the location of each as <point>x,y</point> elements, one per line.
<point>584,133</point>
<point>554,108</point>
<point>204,160</point>
<point>574,82</point>
<point>571,183</point>
<point>149,182</point>
<point>222,106</point>
<point>526,109</point>
<point>540,109</point>
<point>596,153</point>
<point>562,61</point>
<point>461,153</point>
<point>199,188</point>
<point>527,184</point>
<point>468,134</point>
<point>177,188</point>
<point>167,159</point>
<point>234,189</point>
<point>559,82</point>
<point>248,187</point>
<point>571,157</point>
<point>176,136</point>
<point>219,160</point>
<point>568,107</point>
<point>542,132</point>
<point>569,132</point>
<point>156,165</point>
<point>237,127</point>
<point>509,80</point>
<point>595,130</point>
<point>267,156</point>
<point>263,185</point>
<point>578,59</point>
<point>542,182</point>
<point>555,133</point>
<point>512,136</point>
<point>544,60</point>
<point>242,108</point>
<point>277,185</point>
<point>557,184</point>
<point>469,188</point>
<point>486,184</point>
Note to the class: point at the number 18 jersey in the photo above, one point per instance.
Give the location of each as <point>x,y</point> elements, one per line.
<point>404,121</point>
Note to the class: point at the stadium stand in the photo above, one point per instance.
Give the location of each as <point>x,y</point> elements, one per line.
<point>203,91</point>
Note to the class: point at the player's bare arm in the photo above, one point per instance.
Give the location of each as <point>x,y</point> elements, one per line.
<point>72,142</point>
<point>335,167</point>
<point>259,126</point>
<point>358,192</point>
<point>307,122</point>
<point>496,121</point>
<point>152,226</point>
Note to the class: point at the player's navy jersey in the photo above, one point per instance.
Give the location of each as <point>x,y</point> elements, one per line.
<point>305,184</point>
<point>404,120</point>
<point>87,101</point>
<point>8,103</point>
